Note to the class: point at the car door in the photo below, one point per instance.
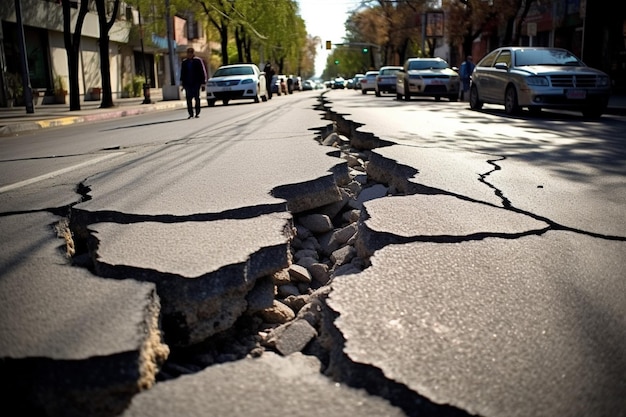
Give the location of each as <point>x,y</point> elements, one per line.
<point>481,77</point>
<point>499,76</point>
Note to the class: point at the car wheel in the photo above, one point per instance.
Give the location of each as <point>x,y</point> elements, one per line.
<point>510,101</point>
<point>398,96</point>
<point>407,92</point>
<point>211,103</point>
<point>453,97</point>
<point>363,92</point>
<point>437,98</point>
<point>377,93</point>
<point>225,101</point>
<point>474,101</point>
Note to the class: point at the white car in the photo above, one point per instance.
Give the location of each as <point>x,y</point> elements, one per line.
<point>386,79</point>
<point>368,83</point>
<point>236,82</point>
<point>427,77</point>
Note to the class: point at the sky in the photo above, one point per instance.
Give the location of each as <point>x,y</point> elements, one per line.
<point>326,19</point>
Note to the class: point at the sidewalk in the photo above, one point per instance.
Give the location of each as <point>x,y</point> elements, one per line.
<point>15,120</point>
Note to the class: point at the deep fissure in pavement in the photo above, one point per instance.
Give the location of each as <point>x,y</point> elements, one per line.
<point>325,255</point>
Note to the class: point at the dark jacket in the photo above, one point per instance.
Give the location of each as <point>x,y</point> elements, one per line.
<point>269,74</point>
<point>192,73</point>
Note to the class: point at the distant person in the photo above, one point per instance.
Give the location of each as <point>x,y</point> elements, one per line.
<point>465,72</point>
<point>269,76</point>
<point>192,76</point>
<point>290,84</point>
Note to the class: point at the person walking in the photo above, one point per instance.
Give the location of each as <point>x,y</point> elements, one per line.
<point>269,77</point>
<point>465,72</point>
<point>192,77</point>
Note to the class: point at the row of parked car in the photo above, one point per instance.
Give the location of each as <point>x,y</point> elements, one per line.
<point>247,82</point>
<point>515,77</point>
<point>418,77</point>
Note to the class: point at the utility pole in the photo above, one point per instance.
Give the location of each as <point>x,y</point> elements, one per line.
<point>146,84</point>
<point>171,91</point>
<point>170,45</point>
<point>28,94</point>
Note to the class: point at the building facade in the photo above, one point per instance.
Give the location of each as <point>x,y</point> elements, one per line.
<point>132,51</point>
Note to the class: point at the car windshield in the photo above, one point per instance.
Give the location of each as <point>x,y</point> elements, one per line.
<point>427,64</point>
<point>388,71</point>
<point>222,72</point>
<point>527,57</point>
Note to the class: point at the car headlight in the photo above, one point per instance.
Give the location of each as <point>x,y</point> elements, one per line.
<point>603,81</point>
<point>247,81</point>
<point>537,80</point>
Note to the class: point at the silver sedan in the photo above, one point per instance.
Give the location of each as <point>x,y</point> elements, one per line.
<point>537,78</point>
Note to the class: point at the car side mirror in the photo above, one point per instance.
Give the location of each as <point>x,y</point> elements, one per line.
<point>502,66</point>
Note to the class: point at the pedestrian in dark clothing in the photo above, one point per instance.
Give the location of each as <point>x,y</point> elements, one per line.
<point>269,76</point>
<point>465,72</point>
<point>192,77</point>
<point>290,84</point>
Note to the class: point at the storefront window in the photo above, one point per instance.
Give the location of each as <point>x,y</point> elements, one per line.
<point>36,52</point>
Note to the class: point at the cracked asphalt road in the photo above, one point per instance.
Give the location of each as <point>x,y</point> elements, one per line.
<point>496,283</point>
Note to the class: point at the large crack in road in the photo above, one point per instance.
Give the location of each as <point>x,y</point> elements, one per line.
<point>331,268</point>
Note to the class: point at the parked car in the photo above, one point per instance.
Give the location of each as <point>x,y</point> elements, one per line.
<point>339,83</point>
<point>386,79</point>
<point>535,78</point>
<point>296,83</point>
<point>235,82</point>
<point>357,81</point>
<point>308,85</point>
<point>368,83</point>
<point>350,84</point>
<point>279,84</point>
<point>429,77</point>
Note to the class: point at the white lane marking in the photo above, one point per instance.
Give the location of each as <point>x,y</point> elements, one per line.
<point>58,172</point>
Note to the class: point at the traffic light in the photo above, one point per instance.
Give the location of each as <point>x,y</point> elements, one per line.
<point>336,62</point>
<point>365,50</point>
<point>329,44</point>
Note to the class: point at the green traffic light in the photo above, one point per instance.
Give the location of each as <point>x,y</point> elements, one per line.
<point>364,50</point>
<point>336,61</point>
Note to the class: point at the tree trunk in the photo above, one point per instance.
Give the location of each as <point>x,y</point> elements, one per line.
<point>72,47</point>
<point>239,41</point>
<point>105,65</point>
<point>224,44</point>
